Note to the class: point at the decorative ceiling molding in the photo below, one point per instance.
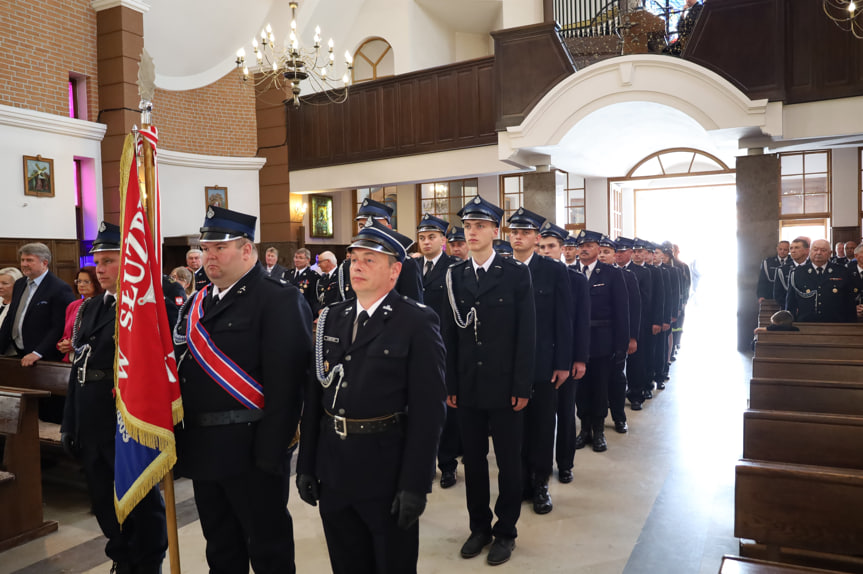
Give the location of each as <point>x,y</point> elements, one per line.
<point>40,121</point>
<point>182,159</point>
<point>141,6</point>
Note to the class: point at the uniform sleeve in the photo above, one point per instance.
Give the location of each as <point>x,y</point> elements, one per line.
<point>310,428</point>
<point>563,306</point>
<point>763,289</point>
<point>525,335</point>
<point>621,311</point>
<point>426,405</point>
<point>791,296</point>
<point>286,343</point>
<point>410,280</point>
<point>658,296</point>
<point>580,317</point>
<point>634,303</point>
<point>449,333</point>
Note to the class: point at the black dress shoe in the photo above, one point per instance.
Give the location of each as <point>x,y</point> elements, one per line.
<point>621,426</point>
<point>564,476</point>
<point>599,444</point>
<point>635,405</point>
<point>501,550</point>
<point>582,440</point>
<point>541,499</point>
<point>447,478</point>
<point>648,394</point>
<point>474,544</point>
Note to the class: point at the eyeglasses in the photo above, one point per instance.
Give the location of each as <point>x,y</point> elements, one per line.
<point>83,282</point>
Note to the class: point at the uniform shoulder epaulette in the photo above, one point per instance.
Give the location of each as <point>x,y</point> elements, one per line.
<point>512,261</point>
<point>413,302</point>
<point>457,262</point>
<point>278,282</point>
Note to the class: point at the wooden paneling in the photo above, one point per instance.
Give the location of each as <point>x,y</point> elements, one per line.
<point>64,255</point>
<point>428,111</point>
<point>785,50</point>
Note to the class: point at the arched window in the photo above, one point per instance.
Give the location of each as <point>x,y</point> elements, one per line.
<point>372,60</point>
<point>678,161</point>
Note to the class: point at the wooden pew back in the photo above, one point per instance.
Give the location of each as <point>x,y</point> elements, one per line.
<point>812,369</point>
<point>843,398</point>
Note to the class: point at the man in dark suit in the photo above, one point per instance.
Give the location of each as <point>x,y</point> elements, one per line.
<point>552,295</point>
<point>304,278</point>
<point>410,279</point>
<point>630,255</point>
<point>609,338</point>
<point>328,282</point>
<point>767,271</point>
<point>235,450</point>
<point>431,236</point>
<point>37,314</point>
<point>798,255</point>
<point>194,263</point>
<point>820,291</point>
<point>489,329</point>
<point>368,448</point>
<point>272,268</point>
<point>551,244</point>
<point>90,423</point>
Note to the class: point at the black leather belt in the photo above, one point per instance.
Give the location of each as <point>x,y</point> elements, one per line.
<point>601,323</point>
<point>93,375</point>
<point>344,426</point>
<point>224,418</point>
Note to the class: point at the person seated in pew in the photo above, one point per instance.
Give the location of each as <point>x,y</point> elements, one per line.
<point>781,321</point>
<point>8,277</point>
<point>86,286</point>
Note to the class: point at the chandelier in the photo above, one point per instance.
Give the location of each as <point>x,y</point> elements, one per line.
<point>846,16</point>
<point>291,65</point>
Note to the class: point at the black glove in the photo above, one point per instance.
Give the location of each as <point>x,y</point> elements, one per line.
<point>408,506</point>
<point>69,446</point>
<point>307,486</point>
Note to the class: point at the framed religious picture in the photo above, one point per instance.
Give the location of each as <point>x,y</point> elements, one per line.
<point>38,176</point>
<point>217,196</point>
<point>322,216</point>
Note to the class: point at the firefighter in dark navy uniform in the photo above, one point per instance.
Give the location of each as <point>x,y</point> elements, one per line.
<point>241,413</point>
<point>90,422</point>
<point>609,338</point>
<point>552,294</point>
<point>409,282</point>
<point>373,413</point>
<point>489,330</point>
<point>630,256</point>
<point>820,291</point>
<point>431,236</point>
<point>767,271</point>
<point>798,255</point>
<point>456,245</point>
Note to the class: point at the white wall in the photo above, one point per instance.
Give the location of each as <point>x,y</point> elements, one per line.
<point>25,132</point>
<point>521,12</point>
<point>183,177</point>
<point>596,204</point>
<point>470,46</point>
<point>844,187</point>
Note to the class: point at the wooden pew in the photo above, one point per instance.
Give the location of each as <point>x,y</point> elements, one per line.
<point>793,369</point>
<point>803,438</point>
<point>809,348</point>
<point>816,396</point>
<point>801,338</point>
<point>740,565</point>
<point>799,506</point>
<point>806,558</point>
<point>21,479</point>
<point>831,328</point>
<point>45,375</point>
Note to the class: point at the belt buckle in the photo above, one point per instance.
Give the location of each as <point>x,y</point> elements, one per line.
<point>343,432</point>
<point>80,375</point>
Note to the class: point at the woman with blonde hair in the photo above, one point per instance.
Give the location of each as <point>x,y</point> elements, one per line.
<point>185,278</point>
<point>8,277</point>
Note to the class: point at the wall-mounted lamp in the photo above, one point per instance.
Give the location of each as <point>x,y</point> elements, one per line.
<point>300,211</point>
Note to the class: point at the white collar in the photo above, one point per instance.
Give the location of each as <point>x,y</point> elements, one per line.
<point>485,265</point>
<point>222,292</point>
<point>372,308</point>
<point>433,261</point>
<point>529,259</point>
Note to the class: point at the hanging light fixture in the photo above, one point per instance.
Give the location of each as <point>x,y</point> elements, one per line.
<point>292,64</point>
<point>846,15</point>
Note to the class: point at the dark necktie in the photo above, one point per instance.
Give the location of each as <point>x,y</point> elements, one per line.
<point>480,273</point>
<point>109,301</point>
<point>429,265</point>
<point>818,271</point>
<point>362,319</point>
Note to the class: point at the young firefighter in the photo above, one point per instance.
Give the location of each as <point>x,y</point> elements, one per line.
<point>489,332</point>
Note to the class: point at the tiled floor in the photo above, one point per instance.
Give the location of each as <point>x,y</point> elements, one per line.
<point>660,501</point>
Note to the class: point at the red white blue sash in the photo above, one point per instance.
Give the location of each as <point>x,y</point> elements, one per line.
<point>219,366</point>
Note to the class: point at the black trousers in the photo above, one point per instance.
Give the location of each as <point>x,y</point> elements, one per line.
<point>591,395</point>
<point>660,350</point>
<point>538,445</point>
<point>565,447</point>
<point>636,368</point>
<point>506,428</point>
<point>617,390</point>
<point>678,327</point>
<point>143,538</point>
<point>363,536</point>
<point>449,447</point>
<point>243,518</point>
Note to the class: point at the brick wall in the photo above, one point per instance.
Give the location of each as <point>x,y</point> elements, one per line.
<point>44,40</point>
<point>218,119</point>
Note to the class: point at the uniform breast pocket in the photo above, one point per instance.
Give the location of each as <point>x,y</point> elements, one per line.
<point>501,300</point>
<point>388,359</point>
<point>234,324</point>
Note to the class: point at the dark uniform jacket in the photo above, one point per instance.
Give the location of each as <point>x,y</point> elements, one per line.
<point>672,291</point>
<point>277,272</point>
<point>434,282</point>
<point>89,412</point>
<point>552,295</point>
<point>201,279</point>
<point>306,282</point>
<point>409,282</point>
<point>44,319</point>
<point>825,299</point>
<point>657,288</point>
<point>263,326</point>
<point>609,311</point>
<point>492,360</point>
<point>767,275</point>
<point>580,315</point>
<point>328,289</point>
<point>175,296</point>
<point>648,313</point>
<point>395,365</point>
<point>856,282</point>
<point>780,283</point>
<point>634,298</point>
